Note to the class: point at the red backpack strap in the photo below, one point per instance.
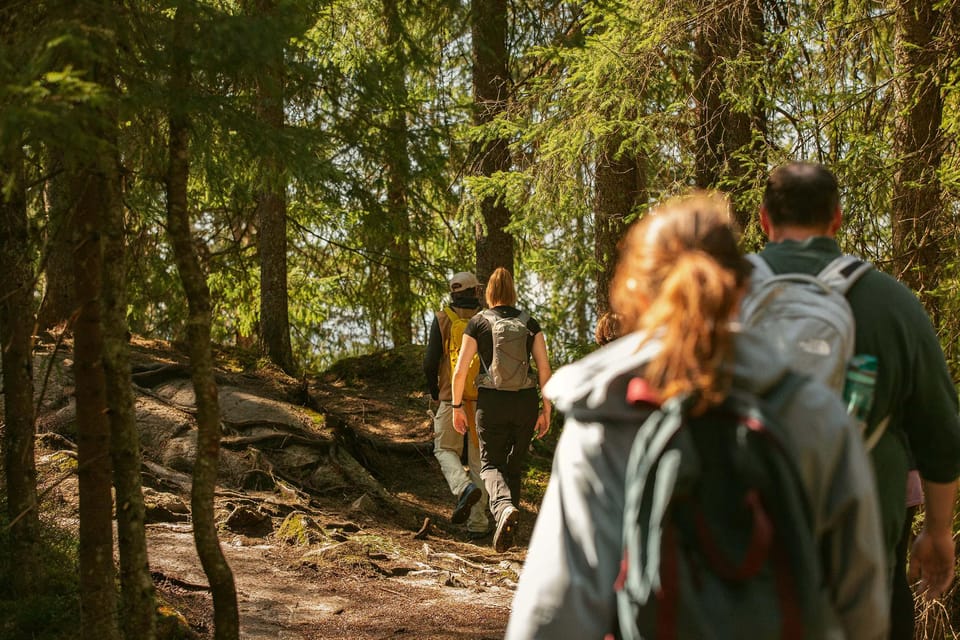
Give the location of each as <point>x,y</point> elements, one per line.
<point>791,619</point>
<point>639,391</point>
<point>758,549</point>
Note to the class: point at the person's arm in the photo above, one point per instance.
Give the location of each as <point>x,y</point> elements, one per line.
<point>566,588</point>
<point>539,352</point>
<point>467,350</point>
<point>930,421</point>
<point>431,359</point>
<point>932,555</point>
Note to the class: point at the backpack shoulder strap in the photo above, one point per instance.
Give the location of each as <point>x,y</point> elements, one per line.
<point>652,471</point>
<point>451,313</point>
<point>871,441</point>
<point>761,268</point>
<point>444,322</point>
<point>782,391</point>
<point>524,318</point>
<point>843,272</point>
<point>491,317</point>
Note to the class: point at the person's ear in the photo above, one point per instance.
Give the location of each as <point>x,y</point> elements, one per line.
<point>765,223</point>
<point>835,222</point>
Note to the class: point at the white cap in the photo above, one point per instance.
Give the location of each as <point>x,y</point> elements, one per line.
<point>463,280</point>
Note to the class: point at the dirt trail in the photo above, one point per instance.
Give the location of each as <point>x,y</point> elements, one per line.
<point>278,600</point>
<point>326,486</point>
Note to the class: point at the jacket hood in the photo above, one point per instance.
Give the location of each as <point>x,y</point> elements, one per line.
<point>596,385</point>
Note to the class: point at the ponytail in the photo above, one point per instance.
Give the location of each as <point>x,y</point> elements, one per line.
<point>690,318</point>
<point>678,281</point>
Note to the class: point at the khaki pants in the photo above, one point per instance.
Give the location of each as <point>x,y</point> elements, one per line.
<point>448,448</point>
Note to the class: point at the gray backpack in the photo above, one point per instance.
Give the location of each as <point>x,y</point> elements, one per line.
<point>510,368</point>
<point>808,318</point>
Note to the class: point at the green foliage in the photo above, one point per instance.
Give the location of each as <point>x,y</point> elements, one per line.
<point>300,529</point>
<point>587,81</point>
<point>378,91</point>
<point>52,613</point>
<point>394,368</point>
<point>535,479</point>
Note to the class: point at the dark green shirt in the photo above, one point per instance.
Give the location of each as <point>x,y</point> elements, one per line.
<point>913,384</point>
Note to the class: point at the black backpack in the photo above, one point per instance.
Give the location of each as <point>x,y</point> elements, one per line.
<point>718,537</point>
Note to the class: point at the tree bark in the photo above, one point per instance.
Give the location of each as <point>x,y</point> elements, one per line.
<point>918,149</point>
<point>137,601</point>
<point>398,177</point>
<point>491,83</point>
<point>727,138</point>
<point>58,302</point>
<point>226,612</point>
<point>580,317</point>
<point>94,191</point>
<point>274,301</point>
<point>618,189</point>
<point>16,328</point>
<point>94,187</point>
<point>272,212</point>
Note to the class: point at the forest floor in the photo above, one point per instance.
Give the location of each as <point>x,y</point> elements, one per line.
<point>333,513</point>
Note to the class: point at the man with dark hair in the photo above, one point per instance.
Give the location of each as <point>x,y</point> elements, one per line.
<point>800,193</point>
<point>800,215</point>
<point>443,348</point>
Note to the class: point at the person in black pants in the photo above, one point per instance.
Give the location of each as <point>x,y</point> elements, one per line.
<point>509,411</point>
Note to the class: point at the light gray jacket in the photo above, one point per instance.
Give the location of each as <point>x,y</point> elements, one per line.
<point>566,587</point>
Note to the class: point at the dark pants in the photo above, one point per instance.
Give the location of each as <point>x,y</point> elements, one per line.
<point>901,604</point>
<point>505,424</point>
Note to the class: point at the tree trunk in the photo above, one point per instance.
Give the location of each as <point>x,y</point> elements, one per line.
<point>491,80</point>
<point>398,177</point>
<point>137,603</point>
<point>226,613</point>
<point>918,149</point>
<point>16,327</point>
<point>58,302</point>
<point>583,329</point>
<point>94,191</point>
<point>272,212</point>
<point>94,188</point>
<point>728,141</point>
<point>708,76</point>
<point>618,189</point>
<point>274,303</point>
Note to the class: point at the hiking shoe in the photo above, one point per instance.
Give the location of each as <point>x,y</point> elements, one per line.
<point>468,498</point>
<point>503,537</point>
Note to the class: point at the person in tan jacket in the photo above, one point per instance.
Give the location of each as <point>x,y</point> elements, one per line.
<point>439,361</point>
